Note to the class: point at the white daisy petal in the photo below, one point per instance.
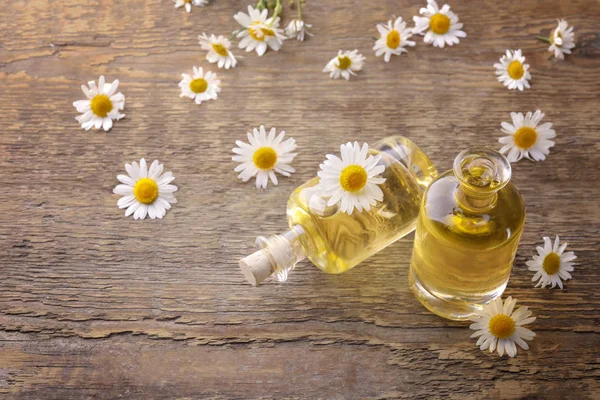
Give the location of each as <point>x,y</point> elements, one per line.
<point>123,190</point>
<point>143,168</point>
<point>477,333</point>
<point>522,344</point>
<point>526,321</point>
<point>187,4</point>
<point>568,256</point>
<point>493,343</point>
<point>127,180</point>
<point>126,201</point>
<point>152,211</point>
<point>509,304</point>
<point>167,189</point>
<point>145,191</point>
<point>164,179</point>
<point>107,124</point>
<point>141,212</point>
<point>264,156</point>
<point>131,209</point>
<point>511,348</point>
<point>547,246</point>
<point>154,171</point>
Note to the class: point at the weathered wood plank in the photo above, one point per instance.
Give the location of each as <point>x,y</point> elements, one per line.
<point>93,305</point>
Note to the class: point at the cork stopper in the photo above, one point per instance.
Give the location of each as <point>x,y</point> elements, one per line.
<point>278,255</point>
<point>257,267</point>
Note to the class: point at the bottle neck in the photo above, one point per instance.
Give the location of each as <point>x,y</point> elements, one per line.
<point>278,255</point>
<point>475,201</point>
<point>482,173</point>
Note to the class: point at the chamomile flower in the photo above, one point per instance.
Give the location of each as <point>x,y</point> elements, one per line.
<point>145,191</point>
<point>394,37</point>
<point>512,70</point>
<point>200,86</point>
<point>439,25</point>
<point>259,32</point>
<point>346,63</point>
<point>351,182</point>
<point>218,50</point>
<point>263,156</point>
<point>102,106</point>
<point>562,40</point>
<point>499,328</point>
<point>188,4</point>
<point>552,265</point>
<point>525,138</point>
<point>297,29</point>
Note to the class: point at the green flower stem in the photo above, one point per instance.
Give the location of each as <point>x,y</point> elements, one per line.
<point>545,39</point>
<point>233,34</point>
<point>276,12</point>
<point>261,5</point>
<point>299,10</point>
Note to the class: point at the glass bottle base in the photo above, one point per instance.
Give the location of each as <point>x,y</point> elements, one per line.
<point>450,307</point>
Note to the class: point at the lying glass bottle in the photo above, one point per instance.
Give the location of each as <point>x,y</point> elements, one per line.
<point>468,232</point>
<point>336,241</point>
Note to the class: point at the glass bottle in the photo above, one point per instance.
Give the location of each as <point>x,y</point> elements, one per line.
<point>335,241</point>
<point>468,230</point>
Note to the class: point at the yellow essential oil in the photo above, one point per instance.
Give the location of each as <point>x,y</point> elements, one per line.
<point>468,231</point>
<point>335,241</point>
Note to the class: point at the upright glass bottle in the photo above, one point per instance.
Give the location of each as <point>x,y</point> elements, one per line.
<point>335,241</point>
<point>468,230</point>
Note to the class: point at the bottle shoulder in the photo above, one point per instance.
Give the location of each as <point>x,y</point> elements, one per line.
<point>444,214</point>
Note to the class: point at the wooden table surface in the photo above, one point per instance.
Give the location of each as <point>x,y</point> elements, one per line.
<point>96,305</point>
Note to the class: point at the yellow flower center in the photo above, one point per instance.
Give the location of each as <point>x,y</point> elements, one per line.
<point>502,326</point>
<point>393,39</point>
<point>145,190</point>
<point>551,263</point>
<point>265,158</point>
<point>101,105</point>
<point>220,49</point>
<point>439,23</point>
<point>344,62</point>
<point>515,70</point>
<point>552,37</point>
<point>525,137</point>
<point>265,32</point>
<point>353,178</point>
<point>198,85</point>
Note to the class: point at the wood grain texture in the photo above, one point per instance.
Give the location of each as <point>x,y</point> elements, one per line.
<point>96,305</point>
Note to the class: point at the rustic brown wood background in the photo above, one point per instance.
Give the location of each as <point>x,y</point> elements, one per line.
<point>96,305</point>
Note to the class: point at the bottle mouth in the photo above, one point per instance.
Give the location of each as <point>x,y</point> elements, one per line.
<point>482,169</point>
